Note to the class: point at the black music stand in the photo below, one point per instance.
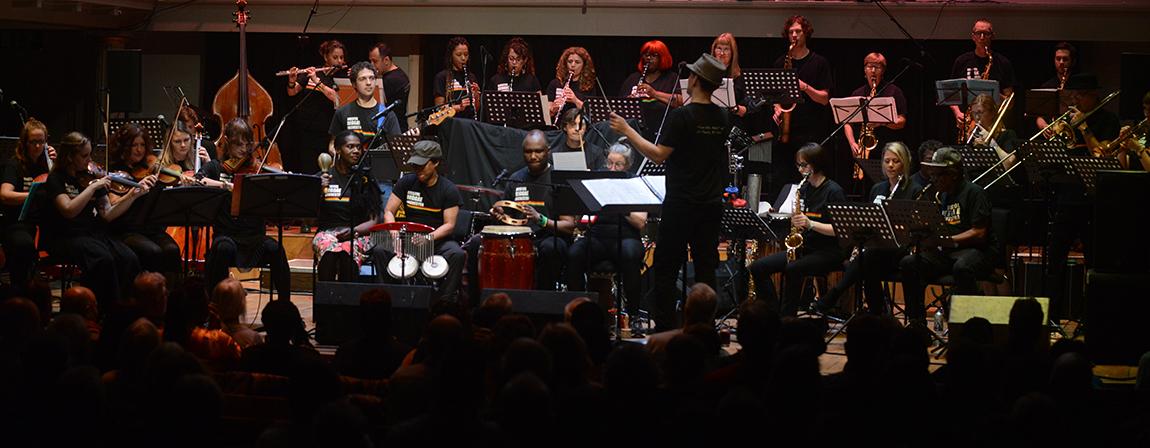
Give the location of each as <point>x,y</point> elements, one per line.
<point>1087,169</point>
<point>773,85</point>
<point>600,108</point>
<point>567,202</point>
<point>277,197</point>
<point>187,207</point>
<point>649,168</point>
<point>918,225</point>
<point>978,158</point>
<point>155,127</point>
<point>865,226</point>
<point>521,110</point>
<point>739,225</point>
<point>1048,161</point>
<point>401,147</point>
<point>872,168</point>
<point>1043,102</point>
<point>962,91</point>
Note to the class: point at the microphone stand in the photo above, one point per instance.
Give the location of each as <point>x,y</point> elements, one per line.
<point>666,110</point>
<point>554,200</point>
<point>924,55</point>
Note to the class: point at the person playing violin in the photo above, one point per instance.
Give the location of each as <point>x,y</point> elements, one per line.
<point>75,228</point>
<point>306,131</point>
<point>237,240</point>
<point>179,158</point>
<point>346,216</point>
<point>17,174</point>
<point>131,153</point>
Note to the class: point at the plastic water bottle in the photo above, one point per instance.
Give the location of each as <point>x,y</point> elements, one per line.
<point>938,321</point>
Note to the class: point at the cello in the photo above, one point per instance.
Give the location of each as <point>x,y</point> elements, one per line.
<point>244,97</point>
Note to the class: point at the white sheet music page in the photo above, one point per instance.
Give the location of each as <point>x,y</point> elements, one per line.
<point>633,191</point>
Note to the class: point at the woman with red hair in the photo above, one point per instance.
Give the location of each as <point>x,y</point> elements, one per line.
<point>653,83</point>
<point>574,81</point>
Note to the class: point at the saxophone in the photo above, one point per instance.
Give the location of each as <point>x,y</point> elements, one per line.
<point>785,119</point>
<point>965,126</point>
<point>794,240</point>
<point>867,139</point>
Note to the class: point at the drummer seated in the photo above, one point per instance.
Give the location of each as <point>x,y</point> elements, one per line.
<point>351,206</point>
<point>427,198</point>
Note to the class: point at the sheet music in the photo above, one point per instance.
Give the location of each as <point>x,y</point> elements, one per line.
<point>633,191</point>
<point>658,185</point>
<point>724,96</point>
<point>881,110</point>
<point>787,207</point>
<point>570,161</point>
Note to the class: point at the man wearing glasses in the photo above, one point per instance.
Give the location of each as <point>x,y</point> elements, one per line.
<point>874,67</point>
<point>972,64</point>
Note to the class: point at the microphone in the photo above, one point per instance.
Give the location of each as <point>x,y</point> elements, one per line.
<point>1,95</point>
<point>500,178</point>
<point>18,107</point>
<point>682,64</point>
<point>162,119</point>
<point>385,110</point>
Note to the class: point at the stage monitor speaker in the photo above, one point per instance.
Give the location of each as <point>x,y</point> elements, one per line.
<point>1117,306</point>
<point>336,311</point>
<point>541,306</point>
<point>995,309</point>
<point>1119,244</point>
<point>124,70</point>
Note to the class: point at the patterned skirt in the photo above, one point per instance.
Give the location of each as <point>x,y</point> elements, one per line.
<point>325,241</point>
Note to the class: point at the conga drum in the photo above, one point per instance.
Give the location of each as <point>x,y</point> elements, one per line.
<point>506,258</point>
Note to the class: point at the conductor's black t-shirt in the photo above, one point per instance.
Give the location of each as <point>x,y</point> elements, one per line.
<point>697,168</point>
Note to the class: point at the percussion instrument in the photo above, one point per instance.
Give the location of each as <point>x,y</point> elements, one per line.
<point>507,218</point>
<point>507,258</point>
<point>414,249</point>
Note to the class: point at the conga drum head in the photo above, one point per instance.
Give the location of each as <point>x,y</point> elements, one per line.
<point>497,230</point>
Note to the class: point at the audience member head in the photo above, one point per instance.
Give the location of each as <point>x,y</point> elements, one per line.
<point>978,330</point>
<point>589,320</point>
<point>758,328</point>
<point>40,293</point>
<point>283,323</point>
<point>340,423</point>
<point>74,330</point>
<point>507,329</point>
<point>1026,328</point>
<point>314,383</point>
<point>570,307</point>
<point>375,313</point>
<point>492,308</point>
<point>81,301</point>
<point>801,332</point>
<point>524,409</point>
<point>870,338</point>
<point>685,360</point>
<point>700,306</point>
<point>230,300</point>
<point>569,352</point>
<point>137,343</point>
<point>19,321</point>
<point>151,293</point>
<point>631,373</point>
<point>443,335</point>
<point>1072,375</point>
<point>525,355</point>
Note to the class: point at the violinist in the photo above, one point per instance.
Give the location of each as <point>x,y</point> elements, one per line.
<point>190,117</point>
<point>516,72</point>
<point>575,81</point>
<point>359,115</point>
<point>76,228</point>
<point>16,177</point>
<point>455,84</point>
<point>347,216</point>
<point>237,240</point>
<point>653,83</point>
<point>319,97</point>
<point>179,158</point>
<point>131,153</point>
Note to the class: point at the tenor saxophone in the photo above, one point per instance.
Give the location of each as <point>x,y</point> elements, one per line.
<point>794,240</point>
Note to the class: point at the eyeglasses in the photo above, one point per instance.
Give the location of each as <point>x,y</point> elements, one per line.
<point>801,164</point>
<point>982,33</point>
<point>722,50</point>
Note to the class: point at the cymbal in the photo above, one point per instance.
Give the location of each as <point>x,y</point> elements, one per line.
<point>479,190</point>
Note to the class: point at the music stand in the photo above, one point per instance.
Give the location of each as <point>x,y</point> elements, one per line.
<point>740,224</point>
<point>862,225</point>
<point>649,168</point>
<point>1043,102</point>
<point>1087,169</point>
<point>567,202</point>
<point>1047,160</point>
<point>521,110</point>
<point>880,110</point>
<point>401,147</point>
<point>976,159</point>
<point>773,85</point>
<point>872,168</point>
<point>277,197</point>
<point>155,127</point>
<point>186,207</point>
<point>916,223</point>
<point>600,108</point>
<point>961,91</point>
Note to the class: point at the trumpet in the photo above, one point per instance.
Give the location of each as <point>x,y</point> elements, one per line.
<point>1111,148</point>
<point>794,239</point>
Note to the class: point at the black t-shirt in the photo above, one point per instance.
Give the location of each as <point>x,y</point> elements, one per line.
<point>697,169</point>
<point>968,208</point>
<point>810,119</point>
<point>556,86</point>
<point>607,226</point>
<point>14,173</point>
<point>919,177</point>
<point>424,204</point>
<point>338,208</point>
<point>883,133</point>
<point>651,108</point>
<point>969,65</point>
<point>535,193</point>
<point>1103,124</point>
<point>1051,83</point>
<point>397,86</point>
<point>595,156</point>
<point>907,189</point>
<point>457,89</point>
<point>359,119</point>
<point>522,83</point>
<point>226,224</point>
<point>315,109</point>
<point>813,202</point>
<point>86,222</point>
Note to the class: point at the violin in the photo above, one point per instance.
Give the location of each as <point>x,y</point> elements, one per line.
<point>253,163</point>
<point>121,183</point>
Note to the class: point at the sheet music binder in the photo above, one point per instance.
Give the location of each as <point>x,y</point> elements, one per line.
<point>620,195</point>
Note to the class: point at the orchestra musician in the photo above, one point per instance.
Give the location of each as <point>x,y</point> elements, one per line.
<point>874,68</point>
<point>975,63</point>
<point>984,112</point>
<point>179,155</point>
<point>359,115</point>
<point>516,72</point>
<point>455,84</point>
<point>602,242</point>
<point>307,134</point>
<point>820,251</point>
<point>575,81</point>
<point>653,82</point>
<point>926,151</point>
<point>1132,152</point>
<point>345,217</point>
<point>871,266</point>
<point>131,153</point>
<point>574,125</point>
<point>17,174</point>
<point>809,121</point>
<point>1065,59</point>
<point>75,229</point>
<point>697,170</point>
<point>431,199</point>
<point>237,240</point>
<point>396,84</point>
<point>726,50</point>
<point>1101,125</point>
<point>965,211</point>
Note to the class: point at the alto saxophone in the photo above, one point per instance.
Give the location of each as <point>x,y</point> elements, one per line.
<point>794,240</point>
<point>785,118</point>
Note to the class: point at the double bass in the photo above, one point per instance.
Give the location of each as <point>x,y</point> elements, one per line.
<point>245,98</point>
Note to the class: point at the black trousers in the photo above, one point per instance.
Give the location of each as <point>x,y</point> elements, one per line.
<point>683,225</point>
<point>871,267</point>
<point>916,270</point>
<point>108,266</point>
<point>808,262</point>
<point>157,251</point>
<point>19,242</point>
<point>227,252</point>
<point>451,251</point>
<point>586,252</point>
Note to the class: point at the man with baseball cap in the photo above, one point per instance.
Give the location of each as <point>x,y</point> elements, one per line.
<point>692,148</point>
<point>965,211</point>
<point>427,198</point>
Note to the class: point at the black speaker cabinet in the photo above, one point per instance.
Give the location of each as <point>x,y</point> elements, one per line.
<point>541,306</point>
<point>124,74</point>
<point>1120,220</point>
<point>336,311</point>
<point>1117,307</point>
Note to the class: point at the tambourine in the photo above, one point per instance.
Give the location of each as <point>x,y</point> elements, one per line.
<point>507,218</point>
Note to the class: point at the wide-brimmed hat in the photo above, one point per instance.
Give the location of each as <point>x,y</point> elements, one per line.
<point>423,151</point>
<point>944,157</point>
<point>709,68</point>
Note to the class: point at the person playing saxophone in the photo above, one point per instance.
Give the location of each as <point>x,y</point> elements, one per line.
<point>874,67</point>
